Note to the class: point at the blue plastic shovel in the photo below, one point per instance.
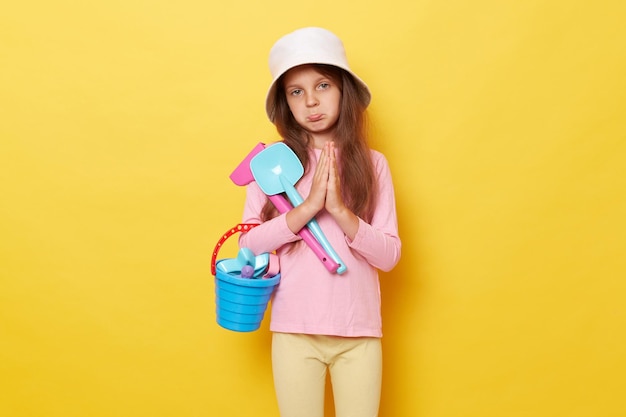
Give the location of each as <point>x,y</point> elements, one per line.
<point>276,169</point>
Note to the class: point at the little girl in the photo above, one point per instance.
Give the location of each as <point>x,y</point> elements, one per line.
<point>322,321</point>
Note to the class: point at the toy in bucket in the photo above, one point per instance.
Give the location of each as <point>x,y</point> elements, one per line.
<point>243,285</point>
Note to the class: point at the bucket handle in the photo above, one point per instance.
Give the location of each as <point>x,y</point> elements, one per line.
<point>241,227</point>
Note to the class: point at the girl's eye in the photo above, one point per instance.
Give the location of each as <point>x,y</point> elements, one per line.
<point>323,86</point>
<point>296,92</point>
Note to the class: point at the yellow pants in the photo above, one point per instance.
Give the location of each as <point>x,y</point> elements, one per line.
<point>300,363</point>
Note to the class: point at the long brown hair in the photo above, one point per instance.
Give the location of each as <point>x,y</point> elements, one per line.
<point>357,177</point>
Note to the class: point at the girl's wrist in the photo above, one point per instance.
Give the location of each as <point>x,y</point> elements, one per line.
<point>299,216</point>
<point>347,221</point>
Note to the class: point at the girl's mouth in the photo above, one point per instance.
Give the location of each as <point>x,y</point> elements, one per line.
<point>314,117</point>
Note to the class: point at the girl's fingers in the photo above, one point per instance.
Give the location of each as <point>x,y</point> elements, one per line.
<point>321,171</point>
<point>334,200</point>
<point>317,195</point>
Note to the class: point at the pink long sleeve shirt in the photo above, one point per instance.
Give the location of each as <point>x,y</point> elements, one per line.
<point>311,300</point>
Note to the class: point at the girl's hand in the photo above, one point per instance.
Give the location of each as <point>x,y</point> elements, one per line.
<point>300,215</point>
<point>345,218</point>
<point>334,200</point>
<point>325,193</point>
<point>316,199</point>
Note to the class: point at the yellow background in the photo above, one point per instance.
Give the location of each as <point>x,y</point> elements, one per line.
<point>504,124</point>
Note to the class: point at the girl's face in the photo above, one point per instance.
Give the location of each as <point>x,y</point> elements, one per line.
<point>314,100</point>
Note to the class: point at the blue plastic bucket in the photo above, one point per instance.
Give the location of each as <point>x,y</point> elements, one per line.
<point>240,302</point>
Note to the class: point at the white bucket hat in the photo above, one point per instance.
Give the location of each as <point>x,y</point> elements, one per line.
<point>309,45</point>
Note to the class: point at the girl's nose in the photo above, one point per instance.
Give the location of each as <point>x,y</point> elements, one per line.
<point>311,100</point>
